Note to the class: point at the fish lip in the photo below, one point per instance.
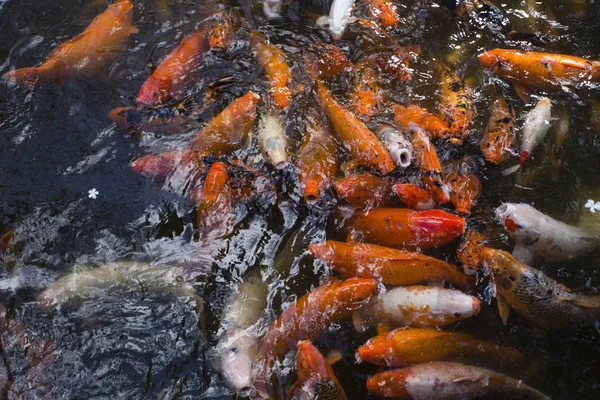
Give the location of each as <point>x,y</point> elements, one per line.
<point>503,211</point>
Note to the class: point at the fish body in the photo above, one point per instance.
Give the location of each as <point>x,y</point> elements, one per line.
<point>439,380</point>
<point>88,54</point>
<point>406,228</point>
<point>237,349</point>
<point>316,379</point>
<point>540,299</point>
<point>355,136</point>
<point>414,197</point>
<point>272,141</point>
<point>433,125</point>
<point>456,105</point>
<point>366,93</point>
<point>312,314</point>
<point>316,159</point>
<point>547,71</point>
<point>339,16</point>
<point>535,127</point>
<point>364,190</point>
<point>543,235</point>
<point>387,265</point>
<point>274,62</point>
<point>216,201</point>
<point>465,189</point>
<point>330,59</point>
<point>398,146</point>
<point>500,132</point>
<point>402,347</point>
<point>383,12</point>
<point>227,131</point>
<point>416,306</point>
<point>162,165</point>
<point>429,164</point>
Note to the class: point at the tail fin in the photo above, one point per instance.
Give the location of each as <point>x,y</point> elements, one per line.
<point>23,75</point>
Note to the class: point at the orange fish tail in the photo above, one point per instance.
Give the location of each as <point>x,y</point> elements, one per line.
<point>24,75</point>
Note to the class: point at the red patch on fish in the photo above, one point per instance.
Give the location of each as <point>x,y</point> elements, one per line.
<point>511,225</point>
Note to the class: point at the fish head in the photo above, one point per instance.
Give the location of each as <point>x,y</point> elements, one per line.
<point>151,93</point>
<point>379,351</point>
<point>309,361</point>
<point>390,384</point>
<point>238,352</point>
<point>490,59</point>
<point>339,15</point>
<point>351,293</point>
<point>520,222</point>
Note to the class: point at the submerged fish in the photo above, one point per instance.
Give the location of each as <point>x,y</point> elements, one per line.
<point>88,54</point>
<point>383,12</point>
<point>330,59</point>
<point>500,132</point>
<point>316,159</point>
<point>390,266</point>
<point>364,190</point>
<point>414,197</point>
<point>272,141</point>
<point>433,125</point>
<point>544,236</point>
<point>535,127</point>
<point>429,164</point>
<point>406,228</point>
<point>237,349</point>
<point>416,306</point>
<point>316,380</point>
<point>402,347</point>
<point>366,94</point>
<point>445,381</point>
<point>274,62</point>
<point>465,189</point>
<point>548,71</point>
<point>227,131</point>
<point>457,107</point>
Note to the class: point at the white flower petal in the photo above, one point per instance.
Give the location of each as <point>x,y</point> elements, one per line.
<point>592,210</point>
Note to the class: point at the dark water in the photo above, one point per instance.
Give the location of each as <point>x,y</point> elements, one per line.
<point>132,341</point>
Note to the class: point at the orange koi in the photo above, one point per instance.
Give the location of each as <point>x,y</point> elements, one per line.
<point>383,12</point>
<point>366,93</point>
<point>465,189</point>
<point>316,159</point>
<point>215,200</point>
<point>499,132</point>
<point>316,379</point>
<point>314,312</point>
<point>547,71</point>
<point>364,190</point>
<point>406,228</point>
<point>422,118</point>
<point>430,166</point>
<point>276,67</point>
<point>414,197</point>
<point>416,345</point>
<point>356,137</point>
<point>330,59</point>
<point>221,29</point>
<point>162,165</point>
<point>390,266</point>
<point>87,54</point>
<point>457,104</point>
<point>228,130</point>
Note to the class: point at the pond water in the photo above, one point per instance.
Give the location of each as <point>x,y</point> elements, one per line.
<point>153,333</point>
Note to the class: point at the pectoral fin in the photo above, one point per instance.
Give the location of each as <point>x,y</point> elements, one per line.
<point>503,308</point>
<point>583,304</point>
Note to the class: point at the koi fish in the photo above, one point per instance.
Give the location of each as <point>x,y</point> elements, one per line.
<point>445,380</point>
<point>390,266</point>
<point>544,236</point>
<point>221,30</point>
<point>535,127</point>
<point>330,59</point>
<point>228,130</point>
<point>406,228</point>
<point>88,54</point>
<point>500,132</point>
<point>540,299</point>
<point>355,136</point>
<point>414,197</point>
<point>316,159</point>
<point>430,166</point>
<point>316,379</point>
<point>272,141</point>
<point>402,347</point>
<point>465,189</point>
<point>456,105</point>
<point>162,165</point>
<point>364,190</point>
<point>366,93</point>
<point>397,145</point>
<point>383,12</point>
<point>215,202</point>
<point>237,349</point>
<point>416,306</point>
<point>277,70</point>
<point>339,16</point>
<point>547,71</point>
<point>434,126</point>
